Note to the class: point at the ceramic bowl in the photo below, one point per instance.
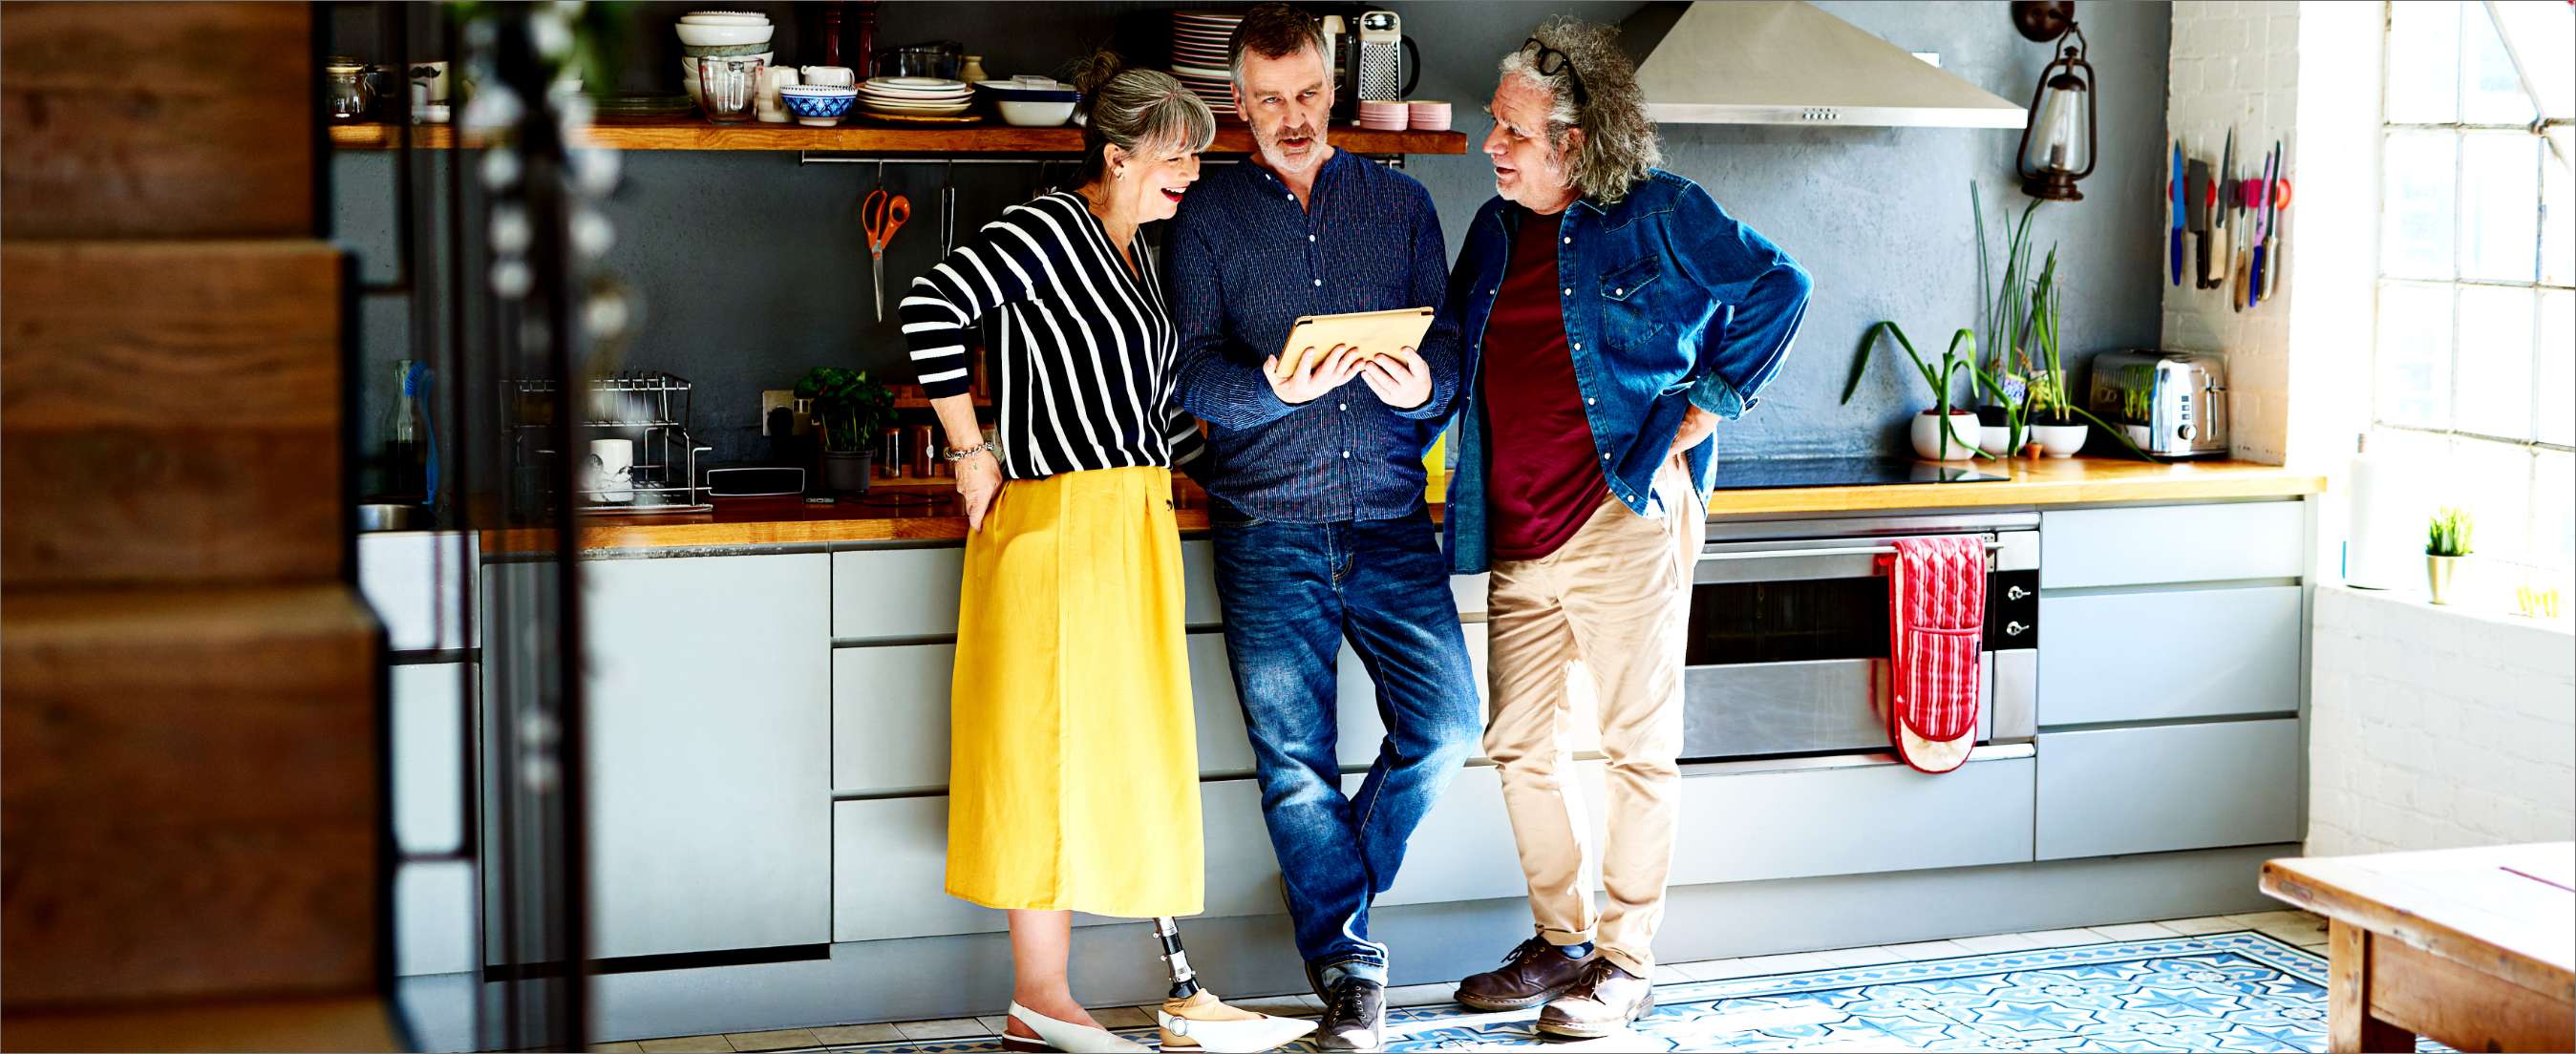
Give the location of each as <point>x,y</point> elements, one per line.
<point>728,51</point>
<point>1030,113</point>
<point>706,36</point>
<point>816,104</point>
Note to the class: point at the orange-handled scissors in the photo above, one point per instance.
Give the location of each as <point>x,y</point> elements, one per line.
<point>882,214</point>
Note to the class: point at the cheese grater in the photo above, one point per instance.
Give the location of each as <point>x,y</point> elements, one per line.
<point>1378,59</point>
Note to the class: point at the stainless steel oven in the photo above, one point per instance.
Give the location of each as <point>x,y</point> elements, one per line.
<point>1789,634</point>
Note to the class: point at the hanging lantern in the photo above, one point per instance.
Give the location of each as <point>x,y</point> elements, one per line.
<point>2057,146</point>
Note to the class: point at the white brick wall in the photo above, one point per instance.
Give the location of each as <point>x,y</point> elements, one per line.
<point>2235,64</point>
<point>2432,728</point>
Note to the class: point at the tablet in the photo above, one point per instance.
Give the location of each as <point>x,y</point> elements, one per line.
<point>1375,333</point>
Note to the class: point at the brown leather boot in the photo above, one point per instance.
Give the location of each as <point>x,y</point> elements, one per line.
<point>1532,974</point>
<point>1601,1003</point>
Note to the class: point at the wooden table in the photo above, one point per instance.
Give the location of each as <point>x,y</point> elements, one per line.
<point>2475,948</point>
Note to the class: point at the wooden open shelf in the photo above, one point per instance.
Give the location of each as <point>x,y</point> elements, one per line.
<point>924,404</point>
<point>856,136</point>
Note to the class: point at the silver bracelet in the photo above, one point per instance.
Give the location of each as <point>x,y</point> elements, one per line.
<point>956,454</point>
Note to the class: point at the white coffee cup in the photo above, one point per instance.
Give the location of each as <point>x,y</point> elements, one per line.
<point>831,76</point>
<point>608,475</point>
<point>768,107</point>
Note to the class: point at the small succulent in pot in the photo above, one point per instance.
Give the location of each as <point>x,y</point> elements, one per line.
<point>2446,543</point>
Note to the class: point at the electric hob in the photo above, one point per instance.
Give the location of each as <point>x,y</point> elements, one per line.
<point>1767,473</point>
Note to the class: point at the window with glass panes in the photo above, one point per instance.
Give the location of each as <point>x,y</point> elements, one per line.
<point>2477,319</point>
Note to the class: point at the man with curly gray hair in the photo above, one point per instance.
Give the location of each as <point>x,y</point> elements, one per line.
<point>1612,315</point>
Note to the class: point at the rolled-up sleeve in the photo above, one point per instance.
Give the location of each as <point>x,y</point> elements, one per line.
<point>1761,295</point>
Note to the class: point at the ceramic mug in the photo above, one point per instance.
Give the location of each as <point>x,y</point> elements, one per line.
<point>770,108</point>
<point>608,475</point>
<point>432,76</point>
<point>831,76</point>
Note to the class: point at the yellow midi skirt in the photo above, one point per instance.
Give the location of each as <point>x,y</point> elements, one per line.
<point>1073,761</point>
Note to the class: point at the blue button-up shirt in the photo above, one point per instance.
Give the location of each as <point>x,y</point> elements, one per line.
<point>1670,303</point>
<point>1245,260</point>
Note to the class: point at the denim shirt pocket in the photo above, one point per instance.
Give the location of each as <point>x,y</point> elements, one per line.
<point>1628,314</point>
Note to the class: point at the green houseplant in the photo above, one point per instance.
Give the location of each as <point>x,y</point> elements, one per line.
<point>1946,432</point>
<point>849,409</point>
<point>2446,543</point>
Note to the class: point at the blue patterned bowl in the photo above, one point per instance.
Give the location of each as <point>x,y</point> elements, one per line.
<point>817,104</point>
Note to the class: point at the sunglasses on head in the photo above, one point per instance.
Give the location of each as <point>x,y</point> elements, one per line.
<point>1551,62</point>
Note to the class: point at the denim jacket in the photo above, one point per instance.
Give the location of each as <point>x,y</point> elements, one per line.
<point>1669,303</point>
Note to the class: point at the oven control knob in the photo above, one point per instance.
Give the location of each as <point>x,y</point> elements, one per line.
<point>2015,593</point>
<point>2184,433</point>
<point>2015,628</point>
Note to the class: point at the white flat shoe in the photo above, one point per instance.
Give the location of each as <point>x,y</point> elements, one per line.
<point>1208,1024</point>
<point>1054,1035</point>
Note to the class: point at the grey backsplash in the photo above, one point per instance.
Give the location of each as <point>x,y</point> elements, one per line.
<point>752,267</point>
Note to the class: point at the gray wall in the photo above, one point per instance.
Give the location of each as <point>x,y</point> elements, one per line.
<point>753,269</point>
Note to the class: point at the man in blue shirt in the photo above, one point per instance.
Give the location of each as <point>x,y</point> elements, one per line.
<point>1317,486</point>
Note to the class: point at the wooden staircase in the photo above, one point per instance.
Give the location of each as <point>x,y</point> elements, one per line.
<point>192,752</point>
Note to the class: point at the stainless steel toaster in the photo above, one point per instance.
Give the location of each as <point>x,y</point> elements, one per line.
<point>2171,403</point>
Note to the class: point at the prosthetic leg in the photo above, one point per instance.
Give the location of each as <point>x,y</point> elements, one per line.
<point>1193,1018</point>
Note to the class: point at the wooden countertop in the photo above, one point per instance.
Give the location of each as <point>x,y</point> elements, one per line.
<point>933,516</point>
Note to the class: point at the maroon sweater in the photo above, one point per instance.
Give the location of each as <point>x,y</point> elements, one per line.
<point>1546,477</point>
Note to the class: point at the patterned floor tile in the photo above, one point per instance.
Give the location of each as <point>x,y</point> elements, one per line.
<point>1422,995</point>
<point>2231,992</point>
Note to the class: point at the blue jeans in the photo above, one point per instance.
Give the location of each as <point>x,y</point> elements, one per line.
<point>1293,592</point>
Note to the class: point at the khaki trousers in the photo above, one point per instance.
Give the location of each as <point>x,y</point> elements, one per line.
<point>1614,601</point>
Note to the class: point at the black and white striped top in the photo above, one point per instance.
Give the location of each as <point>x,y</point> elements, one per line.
<point>1086,345</point>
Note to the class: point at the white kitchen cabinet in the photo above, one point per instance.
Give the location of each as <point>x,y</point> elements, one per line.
<point>2167,654</point>
<point>709,709</point>
<point>911,593</point>
<point>890,865</point>
<point>429,703</point>
<point>2172,543</point>
<point>420,585</point>
<point>2167,787</point>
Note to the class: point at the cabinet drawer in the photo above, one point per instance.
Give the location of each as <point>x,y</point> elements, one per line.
<point>429,719</point>
<point>1743,826</point>
<point>890,865</point>
<point>880,593</point>
<point>2172,543</point>
<point>2182,653</point>
<point>2150,790</point>
<point>890,717</point>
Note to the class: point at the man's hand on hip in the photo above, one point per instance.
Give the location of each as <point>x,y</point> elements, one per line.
<point>1315,373</point>
<point>1400,378</point>
<point>1697,425</point>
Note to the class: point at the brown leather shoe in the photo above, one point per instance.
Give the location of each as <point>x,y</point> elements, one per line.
<point>1532,974</point>
<point>1602,1002</point>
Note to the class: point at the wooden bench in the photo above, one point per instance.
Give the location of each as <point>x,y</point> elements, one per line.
<point>2475,948</point>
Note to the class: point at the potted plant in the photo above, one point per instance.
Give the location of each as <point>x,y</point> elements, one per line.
<point>849,409</point>
<point>1948,431</point>
<point>2446,543</point>
<point>2052,405</point>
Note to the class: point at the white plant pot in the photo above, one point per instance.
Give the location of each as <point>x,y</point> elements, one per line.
<point>2060,441</point>
<point>1963,436</point>
<point>1995,440</point>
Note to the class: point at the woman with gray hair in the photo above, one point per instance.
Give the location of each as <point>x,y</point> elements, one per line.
<point>1073,772</point>
<point>1614,316</point>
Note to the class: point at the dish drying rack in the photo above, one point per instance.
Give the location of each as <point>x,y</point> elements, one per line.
<point>650,407</point>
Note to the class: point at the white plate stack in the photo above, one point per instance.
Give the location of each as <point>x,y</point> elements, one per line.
<point>916,96</point>
<point>1198,56</point>
<point>1427,115</point>
<point>1384,115</point>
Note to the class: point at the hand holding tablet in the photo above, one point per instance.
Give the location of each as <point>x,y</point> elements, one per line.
<point>1324,352</point>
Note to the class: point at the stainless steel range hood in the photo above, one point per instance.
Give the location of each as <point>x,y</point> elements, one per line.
<point>1788,62</point>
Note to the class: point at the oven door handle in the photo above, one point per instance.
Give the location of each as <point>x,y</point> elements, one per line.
<point>1792,565</point>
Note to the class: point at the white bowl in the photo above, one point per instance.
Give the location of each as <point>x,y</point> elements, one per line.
<point>720,36</point>
<point>723,18</point>
<point>1035,114</point>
